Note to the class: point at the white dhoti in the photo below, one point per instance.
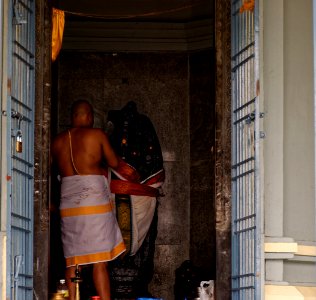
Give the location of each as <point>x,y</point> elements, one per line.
<point>89,228</point>
<point>143,197</point>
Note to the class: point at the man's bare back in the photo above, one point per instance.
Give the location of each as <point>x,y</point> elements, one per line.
<point>91,150</point>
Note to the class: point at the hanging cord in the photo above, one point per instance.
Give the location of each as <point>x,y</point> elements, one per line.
<point>72,159</point>
<point>154,13</point>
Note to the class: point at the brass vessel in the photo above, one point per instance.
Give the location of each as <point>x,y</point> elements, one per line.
<point>57,296</point>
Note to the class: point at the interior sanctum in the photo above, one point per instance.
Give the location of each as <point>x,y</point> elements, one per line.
<point>152,66</point>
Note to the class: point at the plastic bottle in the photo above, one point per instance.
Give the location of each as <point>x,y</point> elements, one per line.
<point>62,288</point>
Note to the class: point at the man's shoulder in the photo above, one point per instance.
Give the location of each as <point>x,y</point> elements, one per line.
<point>97,131</point>
<point>93,133</point>
<point>60,137</point>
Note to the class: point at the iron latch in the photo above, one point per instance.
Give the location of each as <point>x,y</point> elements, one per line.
<point>252,116</point>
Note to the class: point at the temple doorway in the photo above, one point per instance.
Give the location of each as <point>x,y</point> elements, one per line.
<point>168,68</point>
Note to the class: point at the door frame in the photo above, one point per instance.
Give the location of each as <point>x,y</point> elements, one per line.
<point>222,151</point>
<point>223,148</point>
<point>42,136</point>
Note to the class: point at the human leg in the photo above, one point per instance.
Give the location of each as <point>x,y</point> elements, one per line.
<point>70,272</point>
<point>101,280</point>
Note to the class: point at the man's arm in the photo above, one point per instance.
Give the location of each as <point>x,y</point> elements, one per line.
<point>108,152</point>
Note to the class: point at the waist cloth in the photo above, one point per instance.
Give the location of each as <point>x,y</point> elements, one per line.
<point>143,199</point>
<point>89,228</point>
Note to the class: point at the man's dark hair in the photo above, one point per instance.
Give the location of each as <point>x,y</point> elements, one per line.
<point>76,105</point>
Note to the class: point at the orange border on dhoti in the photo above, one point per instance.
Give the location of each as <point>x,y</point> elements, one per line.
<point>95,257</point>
<point>85,210</point>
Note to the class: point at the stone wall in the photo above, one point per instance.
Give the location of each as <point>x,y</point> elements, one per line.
<point>223,149</point>
<point>41,149</point>
<point>202,159</point>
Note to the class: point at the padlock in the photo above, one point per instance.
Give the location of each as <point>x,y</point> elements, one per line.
<point>18,143</point>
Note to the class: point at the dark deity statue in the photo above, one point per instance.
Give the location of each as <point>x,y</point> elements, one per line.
<point>134,139</point>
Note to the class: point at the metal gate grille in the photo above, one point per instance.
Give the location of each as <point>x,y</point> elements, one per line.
<point>245,154</point>
<point>21,107</point>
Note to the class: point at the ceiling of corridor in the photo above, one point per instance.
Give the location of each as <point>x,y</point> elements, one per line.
<point>140,10</point>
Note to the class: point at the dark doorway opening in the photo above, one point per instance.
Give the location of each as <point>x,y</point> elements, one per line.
<point>176,89</point>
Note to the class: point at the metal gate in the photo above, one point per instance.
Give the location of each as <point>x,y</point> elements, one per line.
<point>246,220</point>
<point>20,107</point>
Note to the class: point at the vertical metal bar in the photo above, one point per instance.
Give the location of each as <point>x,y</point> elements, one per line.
<point>233,157</point>
<point>245,152</point>
<point>8,148</point>
<point>249,154</point>
<point>245,120</point>
<point>22,191</point>
<point>257,202</point>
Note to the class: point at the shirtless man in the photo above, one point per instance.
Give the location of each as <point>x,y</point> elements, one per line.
<point>90,233</point>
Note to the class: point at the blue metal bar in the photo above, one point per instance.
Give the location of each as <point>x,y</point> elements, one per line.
<point>243,62</point>
<point>25,162</point>
<point>243,275</point>
<point>21,229</point>
<point>244,230</point>
<point>24,60</point>
<point>245,105</point>
<point>29,9</point>
<point>23,173</point>
<point>244,154</point>
<point>243,174</point>
<point>244,287</point>
<point>239,53</point>
<point>22,101</point>
<point>245,218</point>
<point>243,118</point>
<point>258,249</point>
<point>30,288</point>
<point>9,265</point>
<point>20,46</point>
<point>250,159</point>
<point>21,217</point>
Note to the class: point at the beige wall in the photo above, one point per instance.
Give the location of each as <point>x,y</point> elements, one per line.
<point>299,170</point>
<point>288,149</point>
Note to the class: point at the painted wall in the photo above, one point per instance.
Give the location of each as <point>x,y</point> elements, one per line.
<point>299,121</point>
<point>299,161</point>
<point>288,103</point>
<point>160,85</point>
